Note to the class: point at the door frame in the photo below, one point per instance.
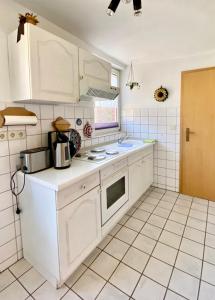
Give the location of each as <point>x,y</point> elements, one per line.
<point>181,120</point>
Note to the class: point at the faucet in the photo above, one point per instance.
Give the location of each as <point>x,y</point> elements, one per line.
<point>120,140</point>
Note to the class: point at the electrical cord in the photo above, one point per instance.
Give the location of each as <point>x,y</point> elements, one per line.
<point>13,190</point>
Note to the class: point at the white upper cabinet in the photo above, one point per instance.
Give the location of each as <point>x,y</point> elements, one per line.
<point>94,72</point>
<point>43,67</point>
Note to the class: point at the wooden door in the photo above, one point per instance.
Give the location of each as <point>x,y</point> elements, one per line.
<point>197,174</point>
<point>54,67</point>
<point>79,230</point>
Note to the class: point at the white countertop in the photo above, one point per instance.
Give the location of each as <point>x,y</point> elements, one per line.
<point>60,179</point>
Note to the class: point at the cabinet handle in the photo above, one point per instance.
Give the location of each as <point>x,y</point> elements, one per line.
<point>83,187</point>
<point>81,77</point>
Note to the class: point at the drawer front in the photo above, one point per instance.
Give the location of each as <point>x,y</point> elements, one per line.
<point>77,190</point>
<point>110,170</point>
<point>139,155</point>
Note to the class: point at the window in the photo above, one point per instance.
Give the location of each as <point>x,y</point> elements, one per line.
<point>107,111</point>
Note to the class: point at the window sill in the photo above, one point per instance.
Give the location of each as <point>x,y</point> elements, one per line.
<point>105,132</point>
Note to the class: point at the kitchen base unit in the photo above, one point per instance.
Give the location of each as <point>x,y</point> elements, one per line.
<point>65,214</point>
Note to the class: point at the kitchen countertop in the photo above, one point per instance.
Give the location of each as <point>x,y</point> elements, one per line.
<point>60,179</point>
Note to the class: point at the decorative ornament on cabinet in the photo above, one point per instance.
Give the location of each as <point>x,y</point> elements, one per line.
<point>27,18</point>
<point>161,94</point>
<point>131,83</point>
<point>137,4</point>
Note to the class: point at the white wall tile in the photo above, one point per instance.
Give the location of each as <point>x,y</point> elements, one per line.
<point>4,148</point>
<point>4,165</point>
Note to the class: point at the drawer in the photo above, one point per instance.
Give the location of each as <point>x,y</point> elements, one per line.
<point>110,170</point>
<point>76,190</point>
<point>139,155</point>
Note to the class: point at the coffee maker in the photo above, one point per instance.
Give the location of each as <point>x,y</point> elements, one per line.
<point>61,149</point>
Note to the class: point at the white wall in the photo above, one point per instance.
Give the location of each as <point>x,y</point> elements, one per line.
<point>4,73</point>
<point>165,73</point>
<point>143,117</point>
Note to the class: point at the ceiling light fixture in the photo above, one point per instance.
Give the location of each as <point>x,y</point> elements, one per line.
<point>115,3</point>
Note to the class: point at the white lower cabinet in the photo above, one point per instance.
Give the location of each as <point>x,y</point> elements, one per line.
<point>79,231</point>
<point>140,177</point>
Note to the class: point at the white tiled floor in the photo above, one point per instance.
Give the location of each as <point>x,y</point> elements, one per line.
<point>164,248</point>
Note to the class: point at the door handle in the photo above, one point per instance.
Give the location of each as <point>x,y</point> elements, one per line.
<point>188,132</point>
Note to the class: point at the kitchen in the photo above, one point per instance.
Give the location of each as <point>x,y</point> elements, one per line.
<point>122,219</point>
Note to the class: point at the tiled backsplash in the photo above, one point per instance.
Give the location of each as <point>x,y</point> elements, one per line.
<point>162,124</point>
<point>36,136</point>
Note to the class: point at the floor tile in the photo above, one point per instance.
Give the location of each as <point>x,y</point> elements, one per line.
<point>199,207</point>
<point>6,278</point>
<point>210,228</point>
<point>170,239</point>
<point>136,259</point>
<point>209,255</point>
<point>161,212</point>
<point>200,201</point>
<point>123,220</point>
<point>194,235</point>
<point>192,248</point>
<point>109,292</point>
<point>134,224</point>
<point>181,209</point>
<point>157,221</point>
<point>174,227</point>
<point>147,289</point>
<point>184,284</point>
<point>76,275</point>
<point>211,210</point>
<point>89,285</point>
<point>31,280</point>
<point>165,253</point>
<point>210,240</point>
<point>47,291</point>
<point>196,223</point>
<point>174,216</point>
<point>158,271</point>
<point>155,195</point>
<point>141,215</point>
<point>115,229</point>
<point>183,202</point>
<point>126,235</point>
<point>198,215</point>
<point>208,273</point>
<point>189,264</point>
<point>105,241</point>
<point>185,197</point>
<point>14,292</point>
<point>144,243</point>
<point>173,296</point>
<point>104,265</point>
<point>151,231</point>
<point>117,248</point>
<point>125,278</point>
<point>70,296</point>
<point>207,291</point>
<point>88,261</point>
<point>166,205</point>
<point>211,219</point>
<point>147,207</point>
<point>151,200</point>
<point>20,267</point>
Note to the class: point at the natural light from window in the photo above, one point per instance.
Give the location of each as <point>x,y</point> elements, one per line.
<point>107,111</point>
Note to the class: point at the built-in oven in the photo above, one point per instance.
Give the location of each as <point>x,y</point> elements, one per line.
<point>114,193</point>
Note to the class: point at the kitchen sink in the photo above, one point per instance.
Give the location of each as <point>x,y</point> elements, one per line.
<point>126,145</point>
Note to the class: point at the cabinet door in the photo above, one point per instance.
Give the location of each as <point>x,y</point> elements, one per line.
<point>140,178</point>
<point>79,225</point>
<point>53,67</point>
<point>94,72</point>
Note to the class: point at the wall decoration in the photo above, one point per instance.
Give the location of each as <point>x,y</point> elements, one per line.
<point>27,18</point>
<point>131,83</point>
<point>78,122</point>
<point>161,94</point>
<point>88,130</point>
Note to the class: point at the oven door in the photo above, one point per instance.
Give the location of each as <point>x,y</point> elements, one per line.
<point>114,194</point>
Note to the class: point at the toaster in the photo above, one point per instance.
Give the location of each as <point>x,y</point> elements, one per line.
<point>35,160</point>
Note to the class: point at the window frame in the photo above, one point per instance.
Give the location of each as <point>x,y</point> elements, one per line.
<point>99,132</point>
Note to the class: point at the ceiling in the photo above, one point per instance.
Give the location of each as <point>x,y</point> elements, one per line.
<point>167,29</point>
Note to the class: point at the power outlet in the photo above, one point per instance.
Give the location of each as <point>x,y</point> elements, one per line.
<point>3,136</point>
<point>16,135</point>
